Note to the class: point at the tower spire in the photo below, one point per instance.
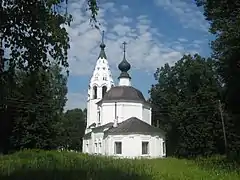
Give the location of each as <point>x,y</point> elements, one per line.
<point>102,37</point>
<point>100,82</point>
<point>102,46</point>
<point>124,67</point>
<point>124,49</point>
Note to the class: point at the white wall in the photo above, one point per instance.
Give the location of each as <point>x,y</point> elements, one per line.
<point>146,114</point>
<point>125,110</point>
<point>132,145</point>
<point>87,146</point>
<point>92,111</point>
<point>96,139</point>
<point>101,76</point>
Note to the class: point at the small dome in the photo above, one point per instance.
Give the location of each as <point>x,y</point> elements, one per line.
<point>124,66</point>
<point>102,45</point>
<point>126,93</point>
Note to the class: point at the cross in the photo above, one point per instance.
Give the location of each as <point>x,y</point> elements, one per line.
<point>124,46</point>
<point>102,36</point>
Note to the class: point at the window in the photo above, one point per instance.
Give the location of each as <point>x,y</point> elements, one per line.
<point>86,147</point>
<point>118,148</point>
<point>104,90</point>
<point>105,78</point>
<point>99,117</point>
<point>100,146</point>
<point>164,148</point>
<point>95,92</point>
<point>145,149</point>
<point>96,150</point>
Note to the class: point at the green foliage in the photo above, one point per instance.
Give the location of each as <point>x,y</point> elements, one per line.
<point>32,89</point>
<point>32,31</point>
<point>224,18</point>
<point>50,165</point>
<point>34,34</point>
<point>184,103</point>
<point>73,125</point>
<point>34,109</point>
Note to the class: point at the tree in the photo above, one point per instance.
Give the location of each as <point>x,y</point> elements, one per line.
<point>224,18</point>
<point>184,103</point>
<point>74,124</point>
<point>33,31</point>
<point>35,108</point>
<point>34,34</point>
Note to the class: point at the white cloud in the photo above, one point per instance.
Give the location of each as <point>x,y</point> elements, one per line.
<point>125,7</point>
<point>146,48</point>
<point>187,12</point>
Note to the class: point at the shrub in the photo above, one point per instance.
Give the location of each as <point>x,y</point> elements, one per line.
<point>51,165</point>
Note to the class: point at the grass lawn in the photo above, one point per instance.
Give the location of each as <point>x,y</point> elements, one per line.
<point>52,165</point>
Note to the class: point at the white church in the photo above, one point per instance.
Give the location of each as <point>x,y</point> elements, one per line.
<point>119,117</point>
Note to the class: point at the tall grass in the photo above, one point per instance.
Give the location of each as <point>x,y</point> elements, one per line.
<point>51,165</point>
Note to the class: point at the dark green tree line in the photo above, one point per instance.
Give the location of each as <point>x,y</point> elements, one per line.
<point>73,124</point>
<point>185,105</point>
<point>224,18</point>
<point>32,88</point>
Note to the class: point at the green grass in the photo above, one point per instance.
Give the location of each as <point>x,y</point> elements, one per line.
<point>51,165</point>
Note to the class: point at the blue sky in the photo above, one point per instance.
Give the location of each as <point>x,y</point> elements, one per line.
<point>156,32</point>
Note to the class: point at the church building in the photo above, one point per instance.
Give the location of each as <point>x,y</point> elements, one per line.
<point>119,117</point>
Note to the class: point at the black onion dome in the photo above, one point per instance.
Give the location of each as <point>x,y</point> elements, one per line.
<point>124,66</point>
<point>102,52</point>
<point>102,45</point>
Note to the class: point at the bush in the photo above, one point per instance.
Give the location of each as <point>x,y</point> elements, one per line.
<point>51,165</point>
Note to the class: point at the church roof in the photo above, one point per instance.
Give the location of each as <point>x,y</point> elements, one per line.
<point>101,128</point>
<point>125,93</point>
<point>131,125</point>
<point>134,125</point>
<point>87,135</point>
<point>92,125</point>
<point>98,129</point>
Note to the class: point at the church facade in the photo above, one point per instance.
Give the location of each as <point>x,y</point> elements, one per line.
<point>119,117</point>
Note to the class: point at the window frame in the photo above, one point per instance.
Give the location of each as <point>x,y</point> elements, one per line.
<point>116,148</point>
<point>143,148</point>
<point>104,90</point>
<point>164,147</point>
<point>95,92</point>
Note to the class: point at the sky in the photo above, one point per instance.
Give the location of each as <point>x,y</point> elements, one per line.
<point>156,32</point>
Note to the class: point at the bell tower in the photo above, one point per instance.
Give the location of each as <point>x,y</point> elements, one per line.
<point>100,82</point>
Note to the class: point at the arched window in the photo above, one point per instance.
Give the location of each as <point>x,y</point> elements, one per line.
<point>104,90</point>
<point>94,92</point>
<point>99,116</point>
